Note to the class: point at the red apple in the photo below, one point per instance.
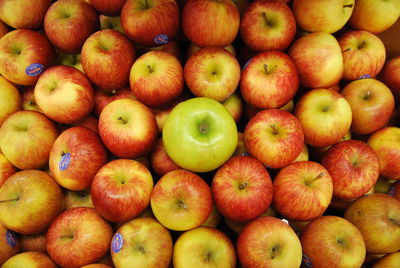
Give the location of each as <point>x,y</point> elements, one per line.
<point>237,227</point>
<point>107,7</point>
<point>33,242</point>
<point>28,99</point>
<point>387,261</point>
<point>234,104</point>
<point>73,199</point>
<point>6,169</point>
<point>192,48</point>
<point>161,163</point>
<point>391,76</point>
<point>10,99</point>
<point>102,98</point>
<point>3,29</point>
<point>89,122</point>
<point>172,47</point>
<point>9,244</point>
<point>32,259</point>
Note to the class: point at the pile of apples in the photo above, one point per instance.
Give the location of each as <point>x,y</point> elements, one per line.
<point>199,133</point>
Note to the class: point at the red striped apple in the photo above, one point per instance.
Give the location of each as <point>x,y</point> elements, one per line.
<point>9,244</point>
<point>6,169</point>
<point>391,76</point>
<point>192,48</point>
<point>10,99</point>
<point>234,104</point>
<point>102,98</point>
<point>28,99</point>
<point>107,7</point>
<point>31,259</point>
<point>161,163</point>
<point>33,242</point>
<point>73,199</point>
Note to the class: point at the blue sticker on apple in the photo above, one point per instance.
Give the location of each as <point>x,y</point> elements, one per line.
<point>10,238</point>
<point>161,39</point>
<point>365,76</point>
<point>34,69</point>
<point>64,162</point>
<point>247,63</point>
<point>117,243</point>
<point>391,191</point>
<point>307,261</point>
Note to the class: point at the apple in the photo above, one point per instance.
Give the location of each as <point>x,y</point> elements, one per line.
<point>192,48</point>
<point>267,25</point>
<point>181,200</point>
<point>372,104</point>
<point>353,166</point>
<point>318,59</point>
<point>237,227</point>
<point>318,152</point>
<point>395,190</point>
<point>9,244</point>
<point>89,122</point>
<point>3,29</point>
<point>28,99</point>
<point>269,80</point>
<point>243,4</point>
<point>114,23</point>
<point>332,241</point>
<point>389,260</point>
<point>29,201</point>
<point>302,190</point>
<point>26,138</point>
<point>68,23</point>
<point>107,58</point>
<point>374,16</point>
<point>96,265</point>
<point>161,163</point>
<point>203,129</point>
<point>107,7</point>
<point>128,128</point>
<point>73,199</point>
<point>6,169</point>
<point>304,155</point>
<point>156,78</point>
<point>327,16</point>
<point>77,237</point>
<point>391,76</point>
<point>212,72</point>
<point>234,104</point>
<point>214,219</point>
<point>150,23</point>
<point>325,116</point>
<point>31,259</point>
<point>102,98</point>
<point>33,242</point>
<point>382,185</point>
<point>24,14</point>
<point>24,54</point>
<point>64,94</point>
<point>172,47</point>
<point>377,216</point>
<point>210,23</point>
<point>385,142</point>
<point>73,60</point>
<point>242,189</point>
<point>277,244</point>
<point>10,99</point>
<point>142,242</point>
<point>274,137</point>
<point>204,247</point>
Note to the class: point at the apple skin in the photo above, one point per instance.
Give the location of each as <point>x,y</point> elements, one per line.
<point>26,138</point>
<point>107,7</point>
<point>6,169</point>
<point>212,72</point>
<point>107,58</point>
<point>391,76</point>
<point>128,128</point>
<point>270,80</point>
<point>192,48</point>
<point>19,51</point>
<point>214,219</point>
<point>242,189</point>
<point>107,22</point>
<point>274,137</point>
<point>277,244</point>
<point>77,237</point>
<point>318,59</point>
<point>326,16</point>
<point>172,47</point>
<point>31,259</point>
<point>372,104</point>
<point>68,23</point>
<point>387,261</point>
<point>181,200</point>
<point>28,100</point>
<point>73,60</point>
<point>33,242</point>
<point>210,23</point>
<point>340,241</point>
<point>202,128</point>
<point>161,163</point>
<point>89,122</point>
<point>121,190</point>
<point>144,21</point>
<point>325,116</point>
<point>96,265</point>
<point>377,216</point>
<point>204,247</point>
<point>29,201</point>
<point>24,14</point>
<point>10,99</point>
<point>102,98</point>
<point>86,155</point>
<point>143,242</point>
<point>267,25</point>
<point>234,104</point>
<point>386,144</point>
<point>302,190</point>
<point>237,227</point>
<point>73,199</point>
<point>156,78</point>
<point>9,244</point>
<point>353,166</point>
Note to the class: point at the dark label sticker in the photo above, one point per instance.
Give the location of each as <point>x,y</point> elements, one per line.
<point>307,261</point>
<point>161,39</point>
<point>10,238</point>
<point>365,76</point>
<point>117,243</point>
<point>247,63</point>
<point>64,162</point>
<point>34,69</point>
<point>391,191</point>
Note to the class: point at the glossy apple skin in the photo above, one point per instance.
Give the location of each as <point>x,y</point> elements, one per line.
<point>340,241</point>
<point>9,244</point>
<point>302,190</point>
<point>30,259</point>
<point>237,227</point>
<point>363,53</point>
<point>202,247</point>
<point>353,166</point>
<point>277,244</point>
<point>386,144</point>
<point>372,104</point>
<point>64,94</point>
<point>212,72</point>
<point>192,48</point>
<point>270,80</point>
<point>121,190</point>
<point>107,57</point>
<point>156,78</point>
<point>318,59</point>
<point>377,216</point>
<point>267,25</point>
<point>161,163</point>
<point>387,261</point>
<point>77,237</point>
<point>107,7</point>
<point>391,76</point>
<point>146,243</point>
<point>21,48</point>
<point>26,138</point>
<point>242,189</point>
<point>128,128</point>
<point>274,137</point>
<point>68,24</point>
<point>6,169</point>
<point>33,242</point>
<point>181,200</point>
<point>34,200</point>
<point>143,25</point>
<point>102,98</point>
<point>28,99</point>
<point>90,122</point>
<point>210,23</point>
<point>10,99</point>
<point>87,155</point>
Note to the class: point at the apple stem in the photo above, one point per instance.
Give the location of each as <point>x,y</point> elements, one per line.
<point>243,185</point>
<point>362,44</point>
<point>367,95</point>
<point>346,50</point>
<point>182,204</point>
<point>150,69</point>
<point>349,5</point>
<point>273,252</point>
<point>141,249</point>
<point>123,121</point>
<point>9,200</point>
<point>320,175</point>
<point>147,6</point>
<point>266,68</point>
<point>397,222</point>
<point>274,130</point>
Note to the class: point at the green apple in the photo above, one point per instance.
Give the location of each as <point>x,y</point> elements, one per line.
<point>200,134</point>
